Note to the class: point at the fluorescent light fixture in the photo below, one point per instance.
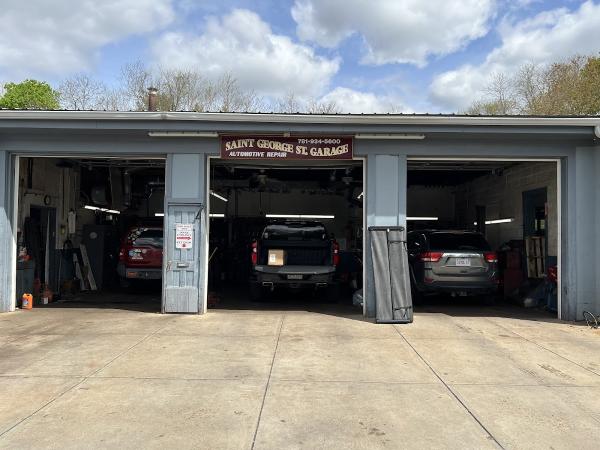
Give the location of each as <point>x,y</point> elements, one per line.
<point>360,196</point>
<point>299,216</point>
<point>159,214</point>
<point>183,134</point>
<point>96,208</point>
<point>493,222</point>
<point>423,218</point>
<point>216,215</point>
<point>390,136</point>
<point>220,197</point>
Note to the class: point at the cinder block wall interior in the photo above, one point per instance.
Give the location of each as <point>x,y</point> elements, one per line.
<point>503,197</point>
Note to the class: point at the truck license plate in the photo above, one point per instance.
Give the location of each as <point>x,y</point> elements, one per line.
<point>294,277</point>
<point>463,262</point>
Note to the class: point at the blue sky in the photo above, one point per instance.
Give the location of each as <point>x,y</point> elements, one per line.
<point>367,56</point>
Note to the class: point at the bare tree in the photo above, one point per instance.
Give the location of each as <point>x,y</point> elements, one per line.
<point>486,108</point>
<point>322,107</point>
<point>185,90</point>
<point>81,92</point>
<point>500,93</point>
<point>178,90</point>
<point>568,87</point>
<point>135,79</point>
<point>226,95</point>
<point>288,104</point>
<point>113,100</point>
<point>528,88</point>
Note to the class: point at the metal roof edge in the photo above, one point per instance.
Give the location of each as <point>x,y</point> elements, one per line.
<point>383,119</point>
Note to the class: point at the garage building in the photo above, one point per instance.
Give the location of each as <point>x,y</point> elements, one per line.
<point>76,179</point>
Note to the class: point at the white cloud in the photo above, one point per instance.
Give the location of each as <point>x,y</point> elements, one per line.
<point>395,31</point>
<point>547,37</point>
<point>63,36</point>
<point>351,101</point>
<point>242,44</point>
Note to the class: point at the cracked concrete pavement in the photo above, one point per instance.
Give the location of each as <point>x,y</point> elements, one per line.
<point>273,379</point>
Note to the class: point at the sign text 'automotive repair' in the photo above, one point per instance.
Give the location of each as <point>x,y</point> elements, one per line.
<point>241,147</point>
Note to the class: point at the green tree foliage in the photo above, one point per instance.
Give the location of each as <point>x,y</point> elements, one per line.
<point>569,87</point>
<point>29,94</point>
<point>589,92</point>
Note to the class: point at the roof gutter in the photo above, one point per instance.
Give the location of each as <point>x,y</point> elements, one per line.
<point>346,119</point>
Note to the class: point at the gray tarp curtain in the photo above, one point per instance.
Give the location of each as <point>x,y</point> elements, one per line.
<point>391,274</point>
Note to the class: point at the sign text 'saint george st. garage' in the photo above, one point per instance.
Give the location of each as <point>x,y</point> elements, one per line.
<point>236,147</point>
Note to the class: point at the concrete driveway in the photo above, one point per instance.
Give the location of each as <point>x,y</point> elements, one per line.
<point>459,378</point>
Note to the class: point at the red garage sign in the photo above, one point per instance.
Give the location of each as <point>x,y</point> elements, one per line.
<point>270,147</point>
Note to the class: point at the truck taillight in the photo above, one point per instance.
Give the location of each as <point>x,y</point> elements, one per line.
<point>336,253</point>
<point>254,255</point>
<point>430,256</point>
<point>490,257</point>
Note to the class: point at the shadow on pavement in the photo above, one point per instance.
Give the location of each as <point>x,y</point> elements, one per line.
<point>143,297</point>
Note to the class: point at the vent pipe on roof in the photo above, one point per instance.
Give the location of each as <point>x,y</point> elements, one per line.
<point>152,93</point>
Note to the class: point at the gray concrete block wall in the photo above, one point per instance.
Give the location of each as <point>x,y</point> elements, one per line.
<point>503,197</point>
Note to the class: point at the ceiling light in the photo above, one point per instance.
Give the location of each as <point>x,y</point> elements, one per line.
<point>299,216</point>
<point>220,197</point>
<point>495,221</point>
<point>159,215</point>
<point>423,218</point>
<point>389,136</point>
<point>216,215</point>
<point>96,208</point>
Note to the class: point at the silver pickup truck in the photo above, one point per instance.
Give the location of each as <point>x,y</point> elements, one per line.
<point>294,255</point>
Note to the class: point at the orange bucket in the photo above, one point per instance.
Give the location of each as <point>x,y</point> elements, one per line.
<point>27,301</point>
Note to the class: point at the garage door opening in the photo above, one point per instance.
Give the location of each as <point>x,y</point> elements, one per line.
<point>484,232</point>
<point>90,232</point>
<point>285,236</point>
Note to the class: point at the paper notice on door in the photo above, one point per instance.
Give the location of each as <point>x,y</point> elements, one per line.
<point>184,235</point>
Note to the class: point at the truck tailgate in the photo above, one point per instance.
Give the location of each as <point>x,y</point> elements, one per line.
<point>299,253</point>
<point>288,270</point>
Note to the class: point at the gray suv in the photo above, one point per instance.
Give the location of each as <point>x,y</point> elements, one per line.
<point>452,262</point>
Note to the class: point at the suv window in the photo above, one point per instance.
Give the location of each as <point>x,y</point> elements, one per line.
<point>295,232</point>
<point>458,241</point>
<point>152,237</point>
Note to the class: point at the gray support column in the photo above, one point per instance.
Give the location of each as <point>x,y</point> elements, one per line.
<point>595,306</point>
<point>568,275</point>
<point>184,271</point>
<point>580,288</point>
<point>7,245</point>
<point>386,205</point>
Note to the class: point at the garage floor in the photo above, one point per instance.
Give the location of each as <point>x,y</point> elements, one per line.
<point>460,378</point>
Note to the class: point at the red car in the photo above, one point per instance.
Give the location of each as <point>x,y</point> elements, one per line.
<point>141,255</point>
